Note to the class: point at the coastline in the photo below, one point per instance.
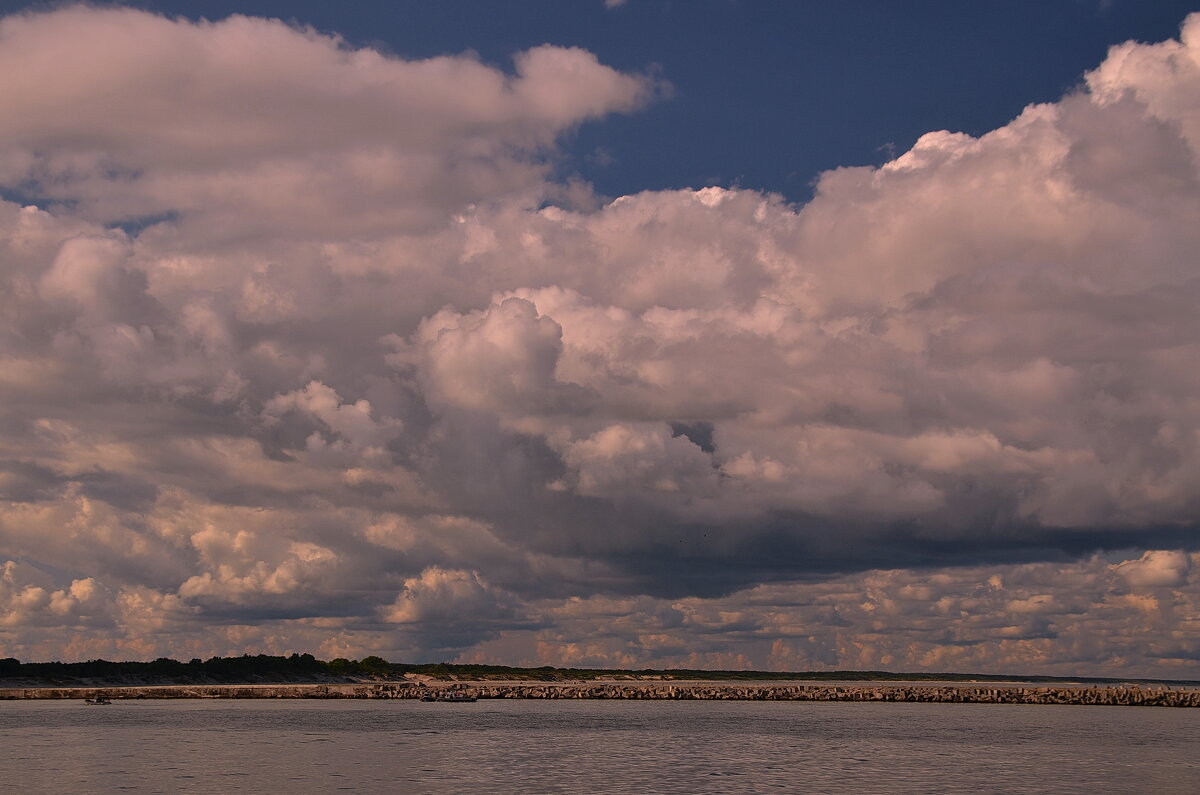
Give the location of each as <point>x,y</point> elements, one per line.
<point>641,691</point>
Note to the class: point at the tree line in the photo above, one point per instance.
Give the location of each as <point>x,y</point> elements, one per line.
<point>306,667</point>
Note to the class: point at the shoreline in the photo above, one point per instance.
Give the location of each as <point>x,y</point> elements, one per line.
<point>641,691</point>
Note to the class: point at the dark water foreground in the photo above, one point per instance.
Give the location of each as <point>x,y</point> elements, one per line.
<point>592,746</point>
<point>658,691</point>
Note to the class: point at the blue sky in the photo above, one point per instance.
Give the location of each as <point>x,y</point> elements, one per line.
<point>767,94</point>
<point>449,331</point>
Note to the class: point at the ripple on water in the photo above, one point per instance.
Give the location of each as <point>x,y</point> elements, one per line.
<point>589,746</point>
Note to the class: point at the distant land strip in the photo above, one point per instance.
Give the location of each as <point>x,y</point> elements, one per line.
<point>1121,695</point>
<point>307,669</point>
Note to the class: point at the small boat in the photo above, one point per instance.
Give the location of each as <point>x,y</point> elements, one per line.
<point>456,698</point>
<point>97,701</point>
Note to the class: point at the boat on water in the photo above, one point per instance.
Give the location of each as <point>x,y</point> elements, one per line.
<point>453,698</point>
<point>97,701</point>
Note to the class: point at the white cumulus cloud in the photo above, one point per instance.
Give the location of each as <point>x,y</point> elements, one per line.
<point>303,346</point>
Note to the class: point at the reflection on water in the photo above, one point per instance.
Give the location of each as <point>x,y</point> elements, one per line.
<point>590,746</point>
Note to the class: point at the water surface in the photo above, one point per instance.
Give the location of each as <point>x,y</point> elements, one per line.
<point>594,746</point>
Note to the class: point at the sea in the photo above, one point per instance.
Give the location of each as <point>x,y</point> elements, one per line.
<point>570,746</point>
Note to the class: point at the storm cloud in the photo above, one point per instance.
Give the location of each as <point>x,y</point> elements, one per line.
<point>308,347</point>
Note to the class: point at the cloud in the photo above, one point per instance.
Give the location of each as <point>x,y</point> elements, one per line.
<point>247,124</point>
<point>1037,617</point>
<point>23,603</point>
<point>301,344</point>
<point>452,608</point>
<point>445,596</point>
<point>1157,568</point>
<point>500,360</point>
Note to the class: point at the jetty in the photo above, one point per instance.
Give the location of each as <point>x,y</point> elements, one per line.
<point>1109,695</point>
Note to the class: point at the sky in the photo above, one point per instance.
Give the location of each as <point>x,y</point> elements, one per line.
<point>620,334</point>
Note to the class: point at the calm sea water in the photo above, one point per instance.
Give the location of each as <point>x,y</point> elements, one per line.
<point>594,746</point>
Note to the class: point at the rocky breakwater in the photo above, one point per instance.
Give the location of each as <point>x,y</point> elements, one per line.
<point>644,691</point>
<point>1106,696</point>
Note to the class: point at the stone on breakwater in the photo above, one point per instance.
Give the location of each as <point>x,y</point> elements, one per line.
<point>659,691</point>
